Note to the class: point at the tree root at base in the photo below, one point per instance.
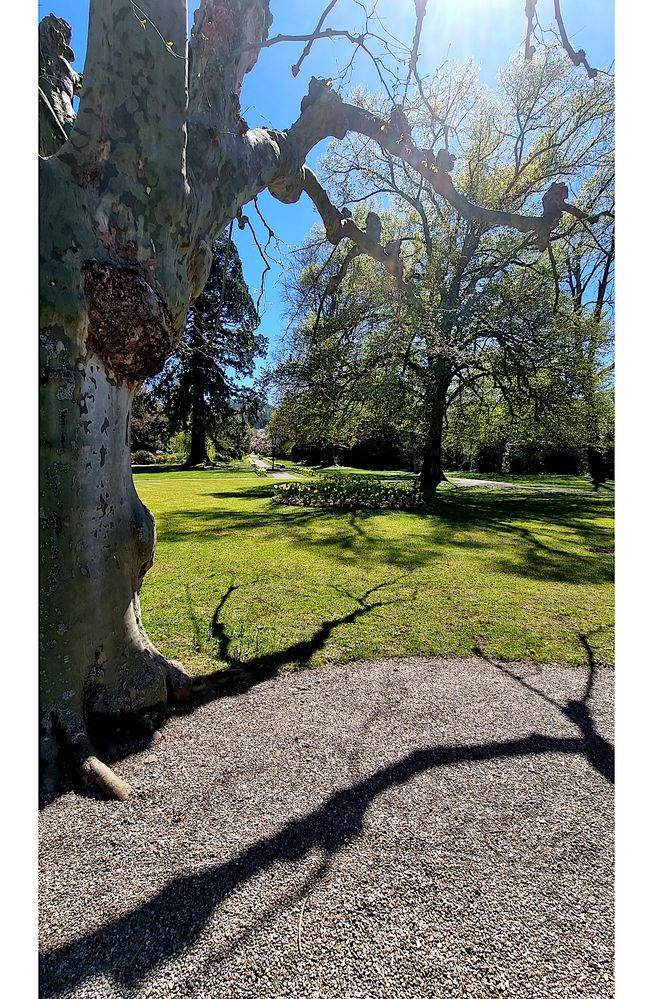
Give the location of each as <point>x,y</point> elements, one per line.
<point>97,776</point>
<point>71,748</point>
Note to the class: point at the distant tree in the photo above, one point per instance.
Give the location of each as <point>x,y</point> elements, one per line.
<point>485,298</point>
<point>199,385</point>
<point>326,384</point>
<point>586,264</point>
<point>150,429</point>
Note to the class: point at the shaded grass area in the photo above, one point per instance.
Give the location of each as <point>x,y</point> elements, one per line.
<point>238,579</point>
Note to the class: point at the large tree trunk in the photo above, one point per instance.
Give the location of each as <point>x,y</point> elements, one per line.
<point>432,473</point>
<point>114,292</point>
<point>97,543</point>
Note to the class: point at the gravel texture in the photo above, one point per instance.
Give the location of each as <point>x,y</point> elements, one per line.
<point>404,828</point>
<point>496,484</point>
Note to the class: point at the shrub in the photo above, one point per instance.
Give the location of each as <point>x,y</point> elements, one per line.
<point>143,458</point>
<point>350,493</point>
<point>179,447</point>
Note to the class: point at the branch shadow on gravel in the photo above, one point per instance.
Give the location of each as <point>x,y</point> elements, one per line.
<point>131,947</point>
<point>598,751</point>
<point>124,740</point>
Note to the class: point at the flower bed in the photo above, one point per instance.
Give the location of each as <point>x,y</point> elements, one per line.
<point>350,493</point>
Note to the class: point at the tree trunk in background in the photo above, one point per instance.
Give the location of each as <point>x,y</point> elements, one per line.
<point>432,473</point>
<point>198,419</point>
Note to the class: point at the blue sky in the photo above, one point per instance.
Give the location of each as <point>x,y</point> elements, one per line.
<point>487,31</point>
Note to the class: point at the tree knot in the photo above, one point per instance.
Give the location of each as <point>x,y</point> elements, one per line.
<point>129,325</point>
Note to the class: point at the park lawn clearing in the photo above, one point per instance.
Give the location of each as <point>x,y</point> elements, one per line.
<point>519,576</point>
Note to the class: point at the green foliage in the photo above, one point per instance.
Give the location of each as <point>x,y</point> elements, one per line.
<point>149,427</point>
<point>350,493</point>
<point>179,447</point>
<point>497,319</point>
<point>200,387</point>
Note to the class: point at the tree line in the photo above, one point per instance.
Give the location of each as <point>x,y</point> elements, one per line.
<point>500,360</point>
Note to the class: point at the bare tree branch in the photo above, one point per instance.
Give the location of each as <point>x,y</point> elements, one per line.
<point>420,13</point>
<point>577,57</point>
<point>325,13</point>
<point>339,225</point>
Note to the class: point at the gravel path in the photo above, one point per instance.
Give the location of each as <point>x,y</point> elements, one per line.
<point>276,473</point>
<point>496,484</point>
<point>407,828</point>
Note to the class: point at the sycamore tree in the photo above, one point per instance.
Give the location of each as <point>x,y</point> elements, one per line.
<point>199,384</point>
<point>483,298</point>
<point>134,189</point>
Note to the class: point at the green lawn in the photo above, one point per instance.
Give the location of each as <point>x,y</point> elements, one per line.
<point>519,574</point>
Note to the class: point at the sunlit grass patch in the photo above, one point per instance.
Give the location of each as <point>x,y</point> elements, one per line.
<point>523,575</point>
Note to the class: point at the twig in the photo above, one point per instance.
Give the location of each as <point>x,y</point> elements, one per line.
<point>263,258</point>
<point>307,48</point>
<point>144,20</point>
<point>299,927</point>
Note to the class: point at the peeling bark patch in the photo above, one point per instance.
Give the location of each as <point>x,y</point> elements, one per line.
<point>129,326</point>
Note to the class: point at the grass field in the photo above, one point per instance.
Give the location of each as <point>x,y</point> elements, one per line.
<point>518,574</point>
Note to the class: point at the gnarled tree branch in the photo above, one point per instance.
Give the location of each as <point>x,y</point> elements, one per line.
<point>339,225</point>
<point>58,84</point>
<point>325,114</point>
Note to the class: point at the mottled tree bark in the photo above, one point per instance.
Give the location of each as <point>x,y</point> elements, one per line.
<point>133,191</point>
<point>113,294</point>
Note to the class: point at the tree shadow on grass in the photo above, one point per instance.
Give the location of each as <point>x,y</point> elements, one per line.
<point>240,676</point>
<point>503,517</point>
<point>236,676</point>
<point>131,947</point>
<point>500,526</point>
